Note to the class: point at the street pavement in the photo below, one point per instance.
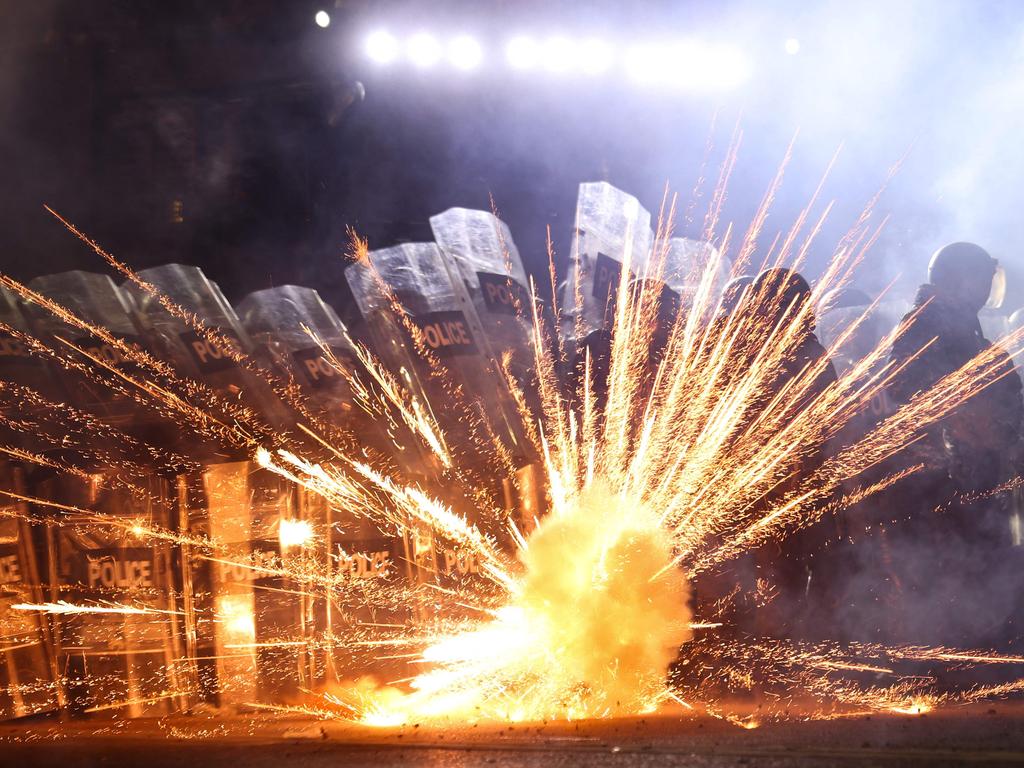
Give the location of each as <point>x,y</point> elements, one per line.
<point>986,734</point>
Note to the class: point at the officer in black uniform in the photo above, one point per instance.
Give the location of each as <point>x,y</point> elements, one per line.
<point>794,561</point>
<point>953,561</point>
<point>776,292</point>
<point>775,296</point>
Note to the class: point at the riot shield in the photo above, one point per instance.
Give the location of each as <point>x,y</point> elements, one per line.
<point>194,354</point>
<point>28,669</point>
<point>222,501</point>
<point>276,320</point>
<point>832,325</point>
<point>118,621</point>
<point>479,252</point>
<point>256,589</point>
<point>449,330</point>
<point>610,227</point>
<point>355,551</point>
<point>695,271</point>
<point>17,363</point>
<point>995,324</point>
<point>97,300</point>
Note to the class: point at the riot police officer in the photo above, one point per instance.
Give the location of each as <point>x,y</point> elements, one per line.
<point>954,555</point>
<point>779,292</point>
<point>962,279</point>
<point>776,296</point>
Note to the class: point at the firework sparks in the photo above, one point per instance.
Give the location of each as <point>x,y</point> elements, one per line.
<point>63,607</point>
<point>687,447</point>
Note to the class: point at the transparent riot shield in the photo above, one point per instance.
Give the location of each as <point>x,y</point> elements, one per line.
<point>369,572</point>
<point>188,287</point>
<point>610,228</point>
<point>222,500</point>
<point>995,324</point>
<point>257,588</point>
<point>17,363</point>
<point>277,320</point>
<point>479,251</point>
<point>695,271</point>
<point>415,275</point>
<point>28,669</point>
<point>360,556</point>
<point>481,255</point>
<point>449,330</point>
<point>122,650</point>
<point>394,346</point>
<point>832,326</point>
<point>117,630</point>
<point>194,354</point>
<point>847,346</point>
<point>96,299</point>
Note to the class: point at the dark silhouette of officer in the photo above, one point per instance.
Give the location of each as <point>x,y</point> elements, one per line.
<point>954,560</point>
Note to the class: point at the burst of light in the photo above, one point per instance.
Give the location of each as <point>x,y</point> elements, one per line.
<point>691,64</point>
<point>699,66</point>
<point>727,66</point>
<point>595,56</point>
<point>322,19</point>
<point>558,54</point>
<point>382,47</point>
<point>918,706</point>
<point>792,46</point>
<point>236,615</point>
<point>465,53</point>
<point>294,533</point>
<point>688,65</point>
<point>685,63</point>
<point>423,50</point>
<point>522,52</point>
<point>646,64</point>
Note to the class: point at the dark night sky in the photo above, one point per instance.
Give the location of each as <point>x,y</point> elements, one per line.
<point>229,135</point>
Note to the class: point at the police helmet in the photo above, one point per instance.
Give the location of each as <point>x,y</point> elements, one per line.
<point>968,271</point>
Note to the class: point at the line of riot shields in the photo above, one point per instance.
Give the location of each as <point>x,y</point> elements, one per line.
<point>112,601</point>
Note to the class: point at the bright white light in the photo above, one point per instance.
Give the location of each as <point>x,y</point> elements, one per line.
<point>464,52</point>
<point>693,65</point>
<point>423,50</point>
<point>522,52</point>
<point>322,19</point>
<point>792,46</point>
<point>382,47</point>
<point>687,64</point>
<point>294,533</point>
<point>559,54</point>
<point>647,64</point>
<point>595,56</point>
<point>727,68</point>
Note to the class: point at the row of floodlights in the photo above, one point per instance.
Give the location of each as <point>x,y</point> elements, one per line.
<point>687,63</point>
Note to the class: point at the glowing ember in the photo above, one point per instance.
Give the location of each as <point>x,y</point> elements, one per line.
<point>915,707</point>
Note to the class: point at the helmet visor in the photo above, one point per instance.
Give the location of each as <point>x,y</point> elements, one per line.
<point>998,291</point>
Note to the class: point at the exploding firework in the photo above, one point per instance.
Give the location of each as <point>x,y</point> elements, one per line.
<point>668,439</point>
